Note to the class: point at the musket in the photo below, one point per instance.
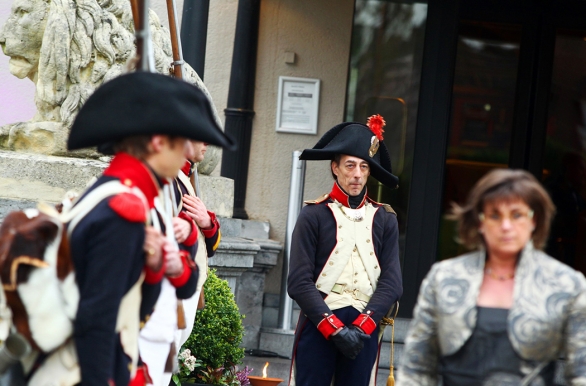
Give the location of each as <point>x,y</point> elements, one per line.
<point>146,62</point>
<point>175,40</point>
<point>177,73</point>
<point>144,48</point>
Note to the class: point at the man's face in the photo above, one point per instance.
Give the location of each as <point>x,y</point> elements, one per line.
<point>168,155</point>
<point>352,173</point>
<point>199,149</point>
<point>22,35</point>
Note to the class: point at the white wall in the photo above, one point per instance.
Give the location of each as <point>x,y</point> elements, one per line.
<point>16,95</point>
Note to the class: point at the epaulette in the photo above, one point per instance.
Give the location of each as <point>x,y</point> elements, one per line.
<point>318,200</point>
<point>387,207</point>
<point>129,207</point>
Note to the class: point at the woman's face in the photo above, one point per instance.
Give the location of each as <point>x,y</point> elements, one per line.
<point>506,226</point>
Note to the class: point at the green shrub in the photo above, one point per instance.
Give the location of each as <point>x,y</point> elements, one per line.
<point>217,333</point>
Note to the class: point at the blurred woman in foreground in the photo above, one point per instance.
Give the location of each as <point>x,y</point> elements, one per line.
<point>501,315</point>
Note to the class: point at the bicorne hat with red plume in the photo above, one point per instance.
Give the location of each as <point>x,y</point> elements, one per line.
<point>358,140</point>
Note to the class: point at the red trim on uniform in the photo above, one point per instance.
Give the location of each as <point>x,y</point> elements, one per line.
<point>154,277</point>
<point>141,378</point>
<point>342,197</point>
<point>365,322</point>
<point>132,172</point>
<point>328,325</point>
<point>129,207</point>
<point>210,232</point>
<point>179,281</point>
<point>192,238</point>
<point>186,169</point>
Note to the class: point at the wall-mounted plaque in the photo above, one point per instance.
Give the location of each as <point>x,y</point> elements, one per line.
<point>298,105</point>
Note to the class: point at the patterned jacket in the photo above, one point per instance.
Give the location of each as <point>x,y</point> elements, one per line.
<point>547,318</point>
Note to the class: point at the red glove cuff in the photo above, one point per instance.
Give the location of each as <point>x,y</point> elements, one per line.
<point>365,322</point>
<point>329,324</point>
<point>210,232</point>
<point>154,277</point>
<point>179,281</point>
<point>192,238</point>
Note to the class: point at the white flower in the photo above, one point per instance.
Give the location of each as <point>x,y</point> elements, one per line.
<point>190,363</point>
<point>185,354</point>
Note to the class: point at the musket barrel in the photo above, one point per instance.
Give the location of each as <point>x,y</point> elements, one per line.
<point>175,40</point>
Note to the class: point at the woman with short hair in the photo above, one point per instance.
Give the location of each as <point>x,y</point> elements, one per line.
<point>503,314</point>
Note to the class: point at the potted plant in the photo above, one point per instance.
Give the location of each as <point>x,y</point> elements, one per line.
<point>212,354</point>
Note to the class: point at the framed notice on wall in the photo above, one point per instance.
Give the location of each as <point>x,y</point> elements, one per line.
<point>298,105</point>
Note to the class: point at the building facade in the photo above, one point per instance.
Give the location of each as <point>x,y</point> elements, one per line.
<point>465,86</point>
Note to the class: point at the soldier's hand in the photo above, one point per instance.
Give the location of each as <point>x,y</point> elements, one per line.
<point>197,211</point>
<point>173,261</point>
<point>182,229</point>
<point>349,341</point>
<point>153,248</point>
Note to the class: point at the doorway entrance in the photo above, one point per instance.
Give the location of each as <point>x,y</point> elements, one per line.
<point>519,101</point>
<point>503,84</point>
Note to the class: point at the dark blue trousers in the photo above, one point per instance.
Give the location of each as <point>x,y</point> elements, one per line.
<point>317,360</point>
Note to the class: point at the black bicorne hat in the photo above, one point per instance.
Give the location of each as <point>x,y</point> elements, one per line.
<point>358,140</point>
<point>144,103</point>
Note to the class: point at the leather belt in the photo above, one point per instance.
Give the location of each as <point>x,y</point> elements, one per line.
<point>356,294</point>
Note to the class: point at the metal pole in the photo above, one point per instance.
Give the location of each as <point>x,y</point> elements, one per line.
<point>240,110</point>
<point>194,33</point>
<point>295,204</point>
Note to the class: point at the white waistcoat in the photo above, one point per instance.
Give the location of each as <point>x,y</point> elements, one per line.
<point>353,254</point>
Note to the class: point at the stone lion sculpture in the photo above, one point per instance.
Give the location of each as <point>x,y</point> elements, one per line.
<point>68,48</point>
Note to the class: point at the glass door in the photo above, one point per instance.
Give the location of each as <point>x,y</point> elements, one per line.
<point>519,100</point>
<point>483,105</point>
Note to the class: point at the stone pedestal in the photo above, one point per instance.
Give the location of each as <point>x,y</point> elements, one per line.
<point>252,286</point>
<point>251,282</point>
<point>27,178</point>
<point>233,257</point>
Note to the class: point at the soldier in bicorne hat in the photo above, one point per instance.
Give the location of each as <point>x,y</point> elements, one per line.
<point>147,120</point>
<point>344,271</point>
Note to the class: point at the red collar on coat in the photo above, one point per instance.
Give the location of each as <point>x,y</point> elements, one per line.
<point>132,172</point>
<point>187,168</point>
<point>342,197</point>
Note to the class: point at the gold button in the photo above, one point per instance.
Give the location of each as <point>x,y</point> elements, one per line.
<point>354,249</point>
<point>372,253</point>
<point>356,273</point>
<point>323,274</point>
<point>368,240</point>
<point>339,226</point>
<point>336,251</point>
<point>376,267</point>
<point>331,263</point>
<point>319,286</point>
<point>127,182</point>
<point>355,281</point>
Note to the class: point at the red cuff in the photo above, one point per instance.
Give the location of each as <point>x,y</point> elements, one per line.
<point>329,324</point>
<point>152,277</point>
<point>365,322</point>
<point>192,238</point>
<point>210,232</point>
<point>179,281</point>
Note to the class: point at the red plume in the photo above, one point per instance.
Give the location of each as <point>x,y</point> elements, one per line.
<point>376,124</point>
